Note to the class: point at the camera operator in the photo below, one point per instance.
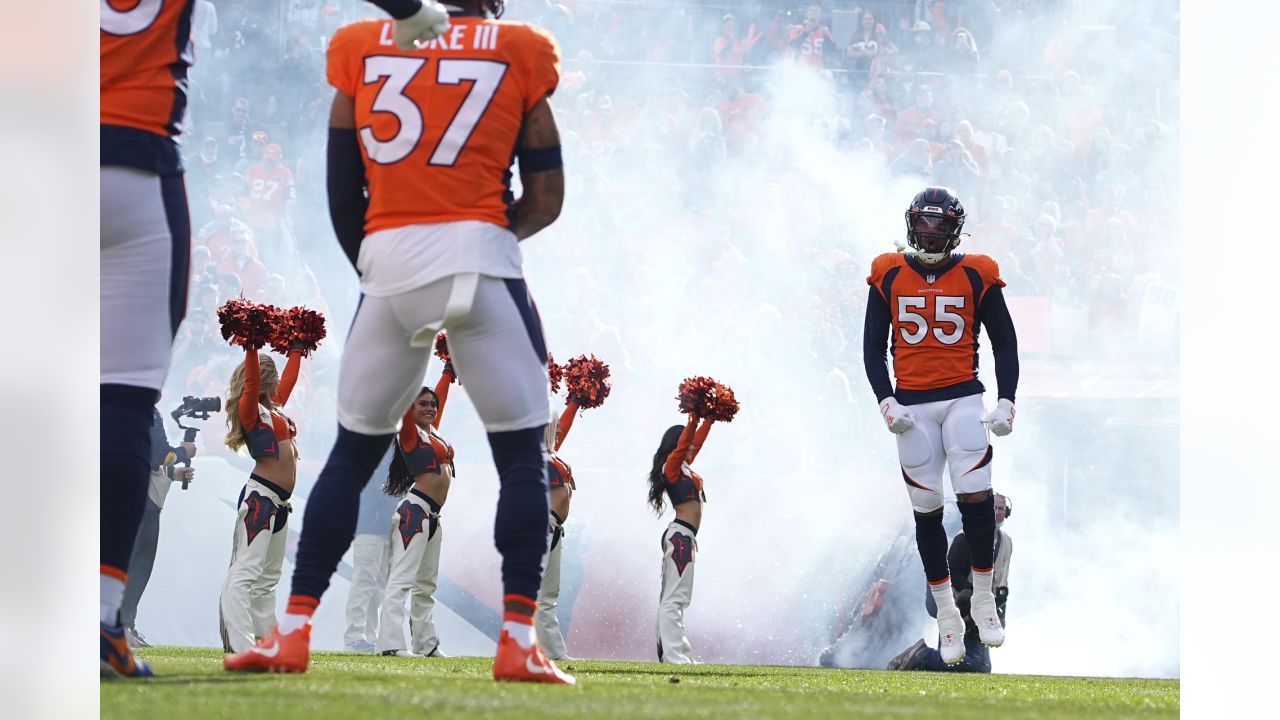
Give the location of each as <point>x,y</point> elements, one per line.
<point>977,658</point>
<point>164,470</point>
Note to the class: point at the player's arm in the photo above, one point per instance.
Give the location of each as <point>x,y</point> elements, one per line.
<point>348,200</point>
<point>875,344</point>
<point>993,313</point>
<point>541,171</point>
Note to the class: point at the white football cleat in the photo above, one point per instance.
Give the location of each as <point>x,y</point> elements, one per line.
<point>951,635</point>
<point>983,611</point>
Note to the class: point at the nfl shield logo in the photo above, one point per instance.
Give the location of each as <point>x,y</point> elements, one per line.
<point>930,278</point>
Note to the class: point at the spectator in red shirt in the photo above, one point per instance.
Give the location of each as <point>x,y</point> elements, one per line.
<point>910,123</point>
<point>240,259</point>
<point>731,50</point>
<point>875,99</point>
<point>741,112</point>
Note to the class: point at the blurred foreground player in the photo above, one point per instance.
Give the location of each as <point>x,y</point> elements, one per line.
<point>932,301</point>
<point>144,245</point>
<point>435,243</point>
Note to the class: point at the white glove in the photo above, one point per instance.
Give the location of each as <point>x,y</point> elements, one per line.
<point>897,417</point>
<point>430,22</point>
<point>1001,419</point>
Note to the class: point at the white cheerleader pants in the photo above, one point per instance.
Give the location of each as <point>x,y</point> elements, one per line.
<point>679,548</point>
<point>247,608</point>
<point>368,580</point>
<point>414,569</point>
<point>547,624</point>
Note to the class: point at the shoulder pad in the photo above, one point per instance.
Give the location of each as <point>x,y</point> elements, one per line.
<point>882,264</point>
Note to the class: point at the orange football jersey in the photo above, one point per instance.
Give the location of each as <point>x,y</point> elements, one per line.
<point>438,126</point>
<point>269,190</point>
<point>934,333</point>
<point>145,50</point>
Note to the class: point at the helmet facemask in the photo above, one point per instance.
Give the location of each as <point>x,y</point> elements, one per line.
<point>933,235</point>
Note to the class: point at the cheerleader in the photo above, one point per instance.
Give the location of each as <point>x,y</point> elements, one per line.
<point>421,472</point>
<point>256,397</point>
<point>560,477</point>
<point>671,476</point>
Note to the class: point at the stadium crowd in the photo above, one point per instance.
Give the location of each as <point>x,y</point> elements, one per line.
<point>1068,169</point>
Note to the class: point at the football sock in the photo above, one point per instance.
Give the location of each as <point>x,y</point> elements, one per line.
<point>125,453</point>
<point>942,595</point>
<point>298,613</point>
<point>931,540</point>
<point>979,522</point>
<point>292,622</point>
<point>520,628</point>
<point>982,581</point>
<point>329,523</point>
<point>110,591</point>
<point>520,528</point>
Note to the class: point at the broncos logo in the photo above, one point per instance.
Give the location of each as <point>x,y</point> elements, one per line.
<point>258,514</point>
<point>411,518</point>
<point>682,551</point>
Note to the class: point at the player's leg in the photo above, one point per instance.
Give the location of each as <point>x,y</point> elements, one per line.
<point>921,456</point>
<point>380,373</point>
<point>141,563</point>
<point>969,455</point>
<point>424,640</point>
<point>367,550</point>
<point>679,560</point>
<point>144,250</point>
<point>408,541</point>
<point>496,343</point>
<point>548,625</point>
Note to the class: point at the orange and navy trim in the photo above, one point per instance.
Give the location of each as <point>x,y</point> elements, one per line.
<point>521,600</point>
<point>302,605</point>
<point>114,572</point>
<point>985,461</point>
<point>936,583</point>
<point>915,484</point>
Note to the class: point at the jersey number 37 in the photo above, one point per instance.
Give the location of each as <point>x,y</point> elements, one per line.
<point>485,77</point>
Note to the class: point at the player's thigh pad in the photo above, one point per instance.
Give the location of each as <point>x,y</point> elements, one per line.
<point>499,352</point>
<point>968,446</point>
<point>145,246</point>
<point>382,372</point>
<point>921,456</point>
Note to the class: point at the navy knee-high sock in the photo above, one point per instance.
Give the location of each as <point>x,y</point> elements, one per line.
<point>931,541</point>
<point>979,522</point>
<point>520,528</point>
<point>125,455</point>
<point>329,523</point>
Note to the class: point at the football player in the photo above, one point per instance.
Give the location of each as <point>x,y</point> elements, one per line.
<point>431,133</point>
<point>145,241</point>
<point>926,305</point>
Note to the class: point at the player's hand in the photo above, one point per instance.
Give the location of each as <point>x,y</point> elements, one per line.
<point>190,448</point>
<point>1001,419</point>
<point>184,474</point>
<point>430,22</point>
<point>897,417</point>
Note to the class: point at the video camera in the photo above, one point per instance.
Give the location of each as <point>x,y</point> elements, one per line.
<point>196,408</point>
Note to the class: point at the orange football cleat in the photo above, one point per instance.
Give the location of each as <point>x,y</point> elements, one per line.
<point>275,653</point>
<point>117,659</point>
<point>518,664</point>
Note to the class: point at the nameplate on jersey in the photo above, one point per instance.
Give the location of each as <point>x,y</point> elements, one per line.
<point>485,37</point>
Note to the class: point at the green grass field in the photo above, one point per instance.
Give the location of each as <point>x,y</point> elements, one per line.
<point>193,686</point>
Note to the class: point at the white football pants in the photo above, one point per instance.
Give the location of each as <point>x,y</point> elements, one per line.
<point>679,548</point>
<point>248,603</point>
<point>548,625</point>
<point>951,433</point>
<point>144,250</point>
<point>414,569</point>
<point>495,341</point>
<point>368,580</point>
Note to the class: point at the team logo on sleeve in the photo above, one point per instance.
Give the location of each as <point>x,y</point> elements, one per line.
<point>258,515</point>
<point>411,518</point>
<point>681,551</point>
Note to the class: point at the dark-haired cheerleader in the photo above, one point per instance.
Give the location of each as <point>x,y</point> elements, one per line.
<point>421,472</point>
